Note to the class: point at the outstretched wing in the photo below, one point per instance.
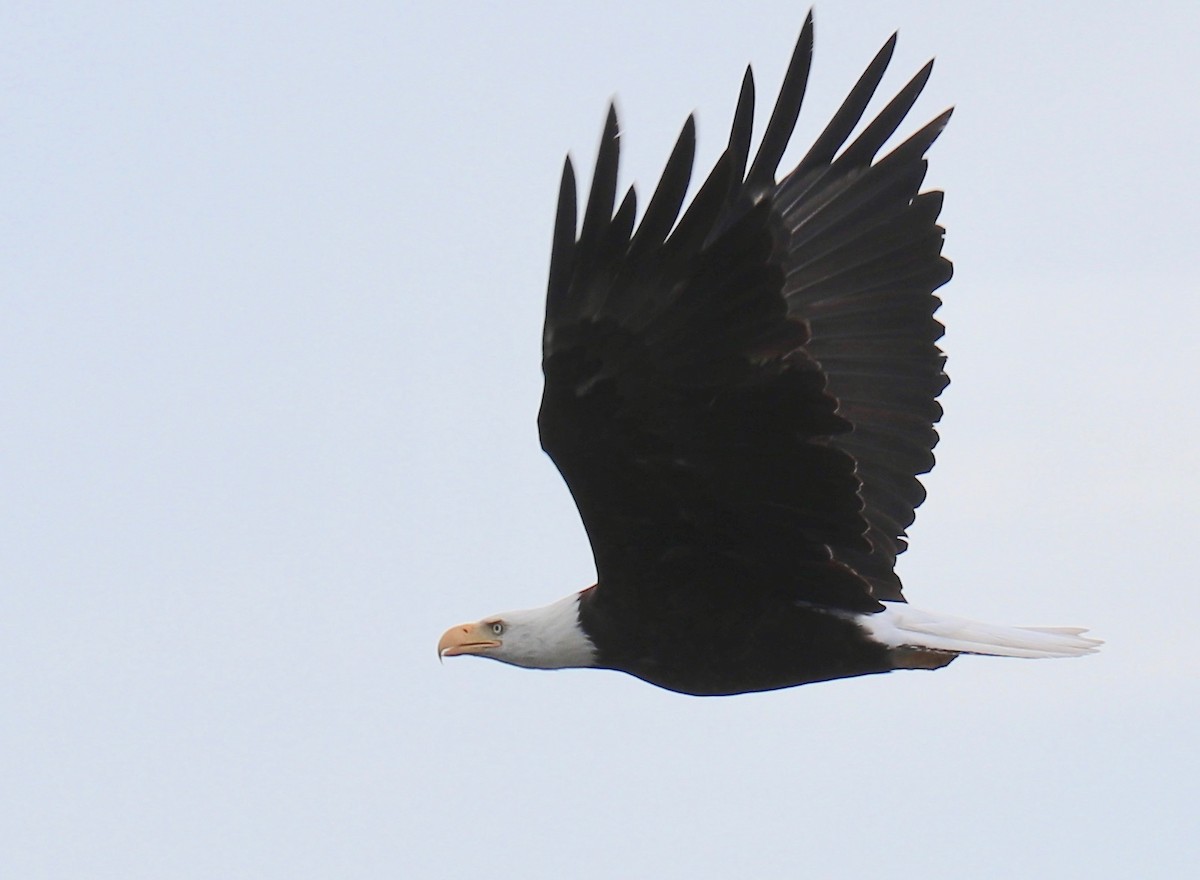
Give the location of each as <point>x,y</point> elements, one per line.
<point>753,385</point>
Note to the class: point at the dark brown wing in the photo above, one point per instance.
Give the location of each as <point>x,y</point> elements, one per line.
<point>753,387</point>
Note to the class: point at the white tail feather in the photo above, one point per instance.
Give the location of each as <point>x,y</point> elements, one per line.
<point>900,625</point>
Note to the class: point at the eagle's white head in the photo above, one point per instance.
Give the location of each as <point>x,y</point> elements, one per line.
<point>549,637</point>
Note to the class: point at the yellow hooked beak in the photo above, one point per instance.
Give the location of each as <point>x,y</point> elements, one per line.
<point>469,638</point>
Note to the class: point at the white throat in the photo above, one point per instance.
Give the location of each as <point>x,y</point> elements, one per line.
<point>546,638</point>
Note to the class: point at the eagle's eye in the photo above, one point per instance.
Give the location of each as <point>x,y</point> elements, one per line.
<point>497,628</point>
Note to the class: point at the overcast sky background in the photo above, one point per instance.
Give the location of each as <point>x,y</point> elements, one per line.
<point>272,287</point>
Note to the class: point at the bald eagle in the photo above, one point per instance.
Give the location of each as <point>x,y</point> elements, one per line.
<point>740,401</point>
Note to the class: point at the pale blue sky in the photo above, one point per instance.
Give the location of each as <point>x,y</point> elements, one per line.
<point>273,278</point>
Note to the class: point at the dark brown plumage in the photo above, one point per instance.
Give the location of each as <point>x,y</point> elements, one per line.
<point>741,407</point>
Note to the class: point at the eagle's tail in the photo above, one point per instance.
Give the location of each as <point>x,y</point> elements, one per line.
<point>901,626</point>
